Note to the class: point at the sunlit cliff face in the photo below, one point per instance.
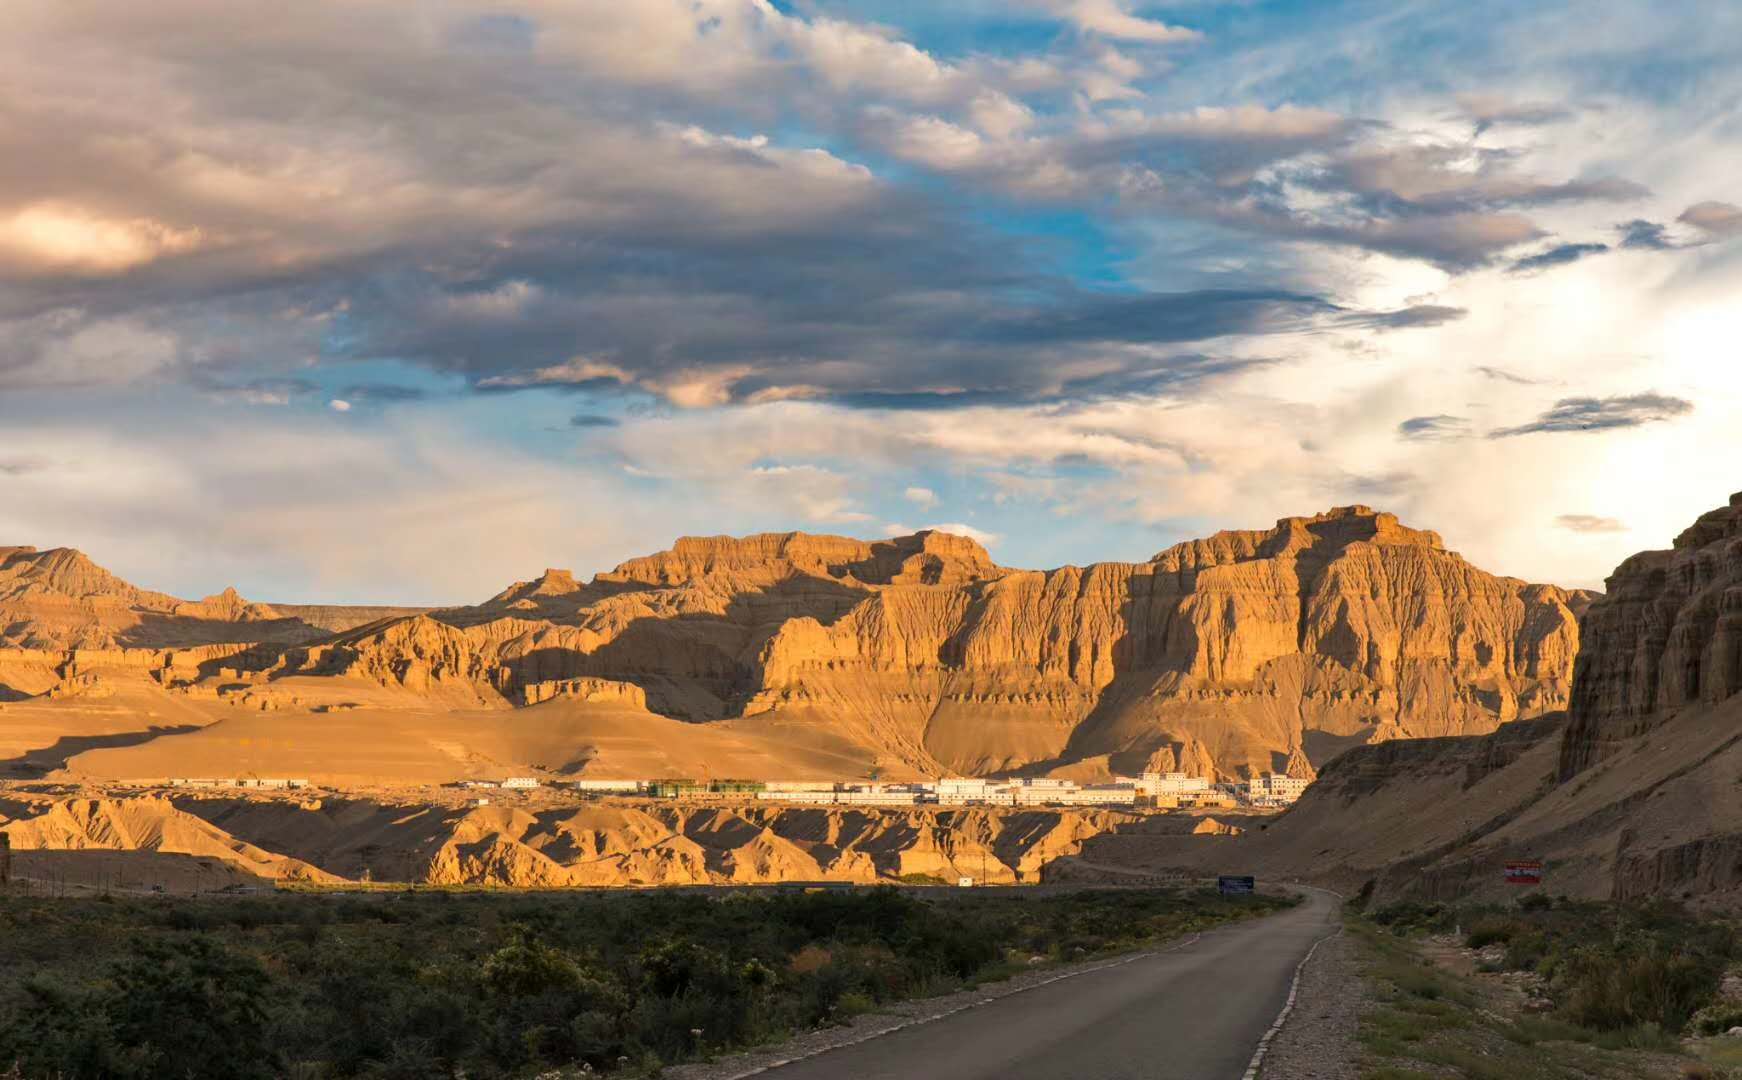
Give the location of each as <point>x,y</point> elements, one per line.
<point>360,302</point>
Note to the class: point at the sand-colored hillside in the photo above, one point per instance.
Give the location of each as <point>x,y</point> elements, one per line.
<point>780,655</point>
<point>539,841</point>
<point>373,745</point>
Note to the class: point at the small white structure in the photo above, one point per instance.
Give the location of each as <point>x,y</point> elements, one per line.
<point>520,783</point>
<point>1274,789</point>
<point>1105,795</point>
<point>1172,783</point>
<point>877,797</point>
<point>625,786</point>
<point>810,798</point>
<point>807,797</point>
<point>798,785</point>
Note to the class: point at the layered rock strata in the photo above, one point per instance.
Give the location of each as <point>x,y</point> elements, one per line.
<point>1666,635</point>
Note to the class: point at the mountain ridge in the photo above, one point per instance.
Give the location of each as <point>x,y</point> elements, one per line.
<point>1245,652</point>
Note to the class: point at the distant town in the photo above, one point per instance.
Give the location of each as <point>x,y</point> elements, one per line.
<point>1152,789</point>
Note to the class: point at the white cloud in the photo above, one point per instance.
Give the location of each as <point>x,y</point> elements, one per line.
<point>58,237</point>
<point>922,497</point>
<point>979,536</point>
<point>339,405</point>
<point>1113,19</point>
<point>572,372</point>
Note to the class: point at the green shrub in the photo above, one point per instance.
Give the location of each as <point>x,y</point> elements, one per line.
<point>1641,981</point>
<point>1491,931</point>
<point>1717,1017</point>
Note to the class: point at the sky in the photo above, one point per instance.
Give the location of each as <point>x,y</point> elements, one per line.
<point>382,302</point>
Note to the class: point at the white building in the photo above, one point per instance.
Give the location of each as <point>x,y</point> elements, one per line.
<point>807,796</point>
<point>623,786</point>
<point>799,785</point>
<point>1104,795</point>
<point>884,797</point>
<point>1172,783</point>
<point>522,783</point>
<point>1272,788</point>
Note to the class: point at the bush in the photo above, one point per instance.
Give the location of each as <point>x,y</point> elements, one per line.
<point>1640,982</point>
<point>191,1009</point>
<point>494,986</point>
<point>1527,950</point>
<point>1717,1018</point>
<point>1491,931</point>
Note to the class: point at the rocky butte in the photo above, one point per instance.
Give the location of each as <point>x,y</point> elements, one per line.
<point>791,654</point>
<point>1633,793</point>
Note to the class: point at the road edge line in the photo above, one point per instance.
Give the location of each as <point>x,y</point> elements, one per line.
<point>1257,1061</point>
<point>921,1021</point>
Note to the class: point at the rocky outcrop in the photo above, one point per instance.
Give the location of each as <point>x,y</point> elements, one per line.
<point>1633,796</point>
<point>1667,634</point>
<point>59,599</point>
<point>613,843</point>
<point>1254,651</point>
<point>1260,650</point>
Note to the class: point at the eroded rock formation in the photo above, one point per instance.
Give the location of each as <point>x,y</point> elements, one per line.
<point>1244,652</point>
<point>1666,635</point>
<point>607,843</point>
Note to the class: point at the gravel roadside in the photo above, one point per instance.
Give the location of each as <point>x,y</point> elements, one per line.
<point>1318,1041</point>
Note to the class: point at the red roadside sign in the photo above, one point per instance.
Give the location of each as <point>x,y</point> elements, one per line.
<point>1524,872</point>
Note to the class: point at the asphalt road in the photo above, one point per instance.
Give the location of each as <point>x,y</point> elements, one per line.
<point>1196,1013</point>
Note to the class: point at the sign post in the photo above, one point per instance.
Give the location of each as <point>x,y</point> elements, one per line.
<point>1236,884</point>
<point>1524,872</point>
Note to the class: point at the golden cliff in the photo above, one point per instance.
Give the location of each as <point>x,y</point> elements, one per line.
<point>1632,794</point>
<point>1243,652</point>
<point>1666,636</point>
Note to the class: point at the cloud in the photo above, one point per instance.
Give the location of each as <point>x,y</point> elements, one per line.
<point>1640,234</point>
<point>1490,110</point>
<point>1498,374</point>
<point>1717,218</point>
<point>274,391</point>
<point>593,420</point>
<point>21,466</point>
<point>1585,414</point>
<point>1588,523</point>
<point>1113,19</point>
<point>339,405</point>
<point>922,497</point>
<point>979,536</point>
<point>1434,428</point>
<point>383,392</point>
<point>577,374</point>
<point>58,237</point>
<point>1560,255</point>
<point>1416,315</point>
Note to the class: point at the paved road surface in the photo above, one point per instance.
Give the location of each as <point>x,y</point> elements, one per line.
<point>1193,1014</point>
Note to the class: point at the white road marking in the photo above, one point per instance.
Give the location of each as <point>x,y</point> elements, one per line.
<point>917,1022</point>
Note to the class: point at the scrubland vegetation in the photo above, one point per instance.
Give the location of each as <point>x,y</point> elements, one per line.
<point>480,985</point>
<point>1585,989</point>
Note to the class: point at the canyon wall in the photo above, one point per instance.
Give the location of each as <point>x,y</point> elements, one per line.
<point>1632,795</point>
<point>1245,652</point>
<point>1666,635</point>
